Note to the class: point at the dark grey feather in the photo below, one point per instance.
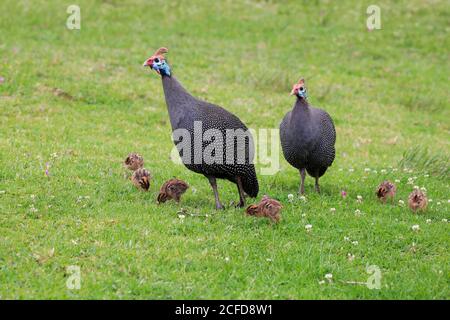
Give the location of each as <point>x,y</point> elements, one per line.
<point>307,138</point>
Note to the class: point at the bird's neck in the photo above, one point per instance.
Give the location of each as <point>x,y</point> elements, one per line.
<point>301,108</point>
<point>178,100</point>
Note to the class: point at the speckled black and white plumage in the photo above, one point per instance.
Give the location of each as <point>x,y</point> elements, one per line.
<point>184,110</point>
<point>307,138</point>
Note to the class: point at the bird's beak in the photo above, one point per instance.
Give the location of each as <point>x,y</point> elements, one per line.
<point>293,92</point>
<point>147,64</point>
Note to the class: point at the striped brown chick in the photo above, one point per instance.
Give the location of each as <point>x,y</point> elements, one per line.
<point>417,201</point>
<point>172,189</point>
<point>134,161</point>
<point>269,208</point>
<point>141,179</point>
<point>386,190</point>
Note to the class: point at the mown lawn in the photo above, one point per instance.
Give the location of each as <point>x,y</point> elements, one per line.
<point>78,101</point>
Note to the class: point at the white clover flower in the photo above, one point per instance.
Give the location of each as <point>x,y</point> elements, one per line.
<point>416,187</point>
<point>428,220</point>
<point>33,196</point>
<point>3,192</point>
<point>357,212</point>
<point>269,260</point>
<point>448,201</point>
<point>397,180</point>
<point>351,170</point>
<point>423,189</point>
<point>394,170</point>
<point>227,259</point>
<point>303,198</point>
<point>346,238</point>
<point>355,243</point>
<point>321,282</point>
<point>444,220</point>
<point>383,170</point>
<point>329,277</point>
<point>401,202</point>
<point>415,227</point>
<point>308,227</point>
<point>430,200</point>
<point>375,171</point>
<point>333,209</point>
<point>181,216</point>
<point>426,175</point>
<point>350,256</point>
<point>438,203</point>
<point>359,197</point>
<point>367,169</point>
<point>290,197</point>
<point>303,215</point>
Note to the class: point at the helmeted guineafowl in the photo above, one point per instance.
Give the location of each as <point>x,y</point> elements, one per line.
<point>307,137</point>
<point>205,128</point>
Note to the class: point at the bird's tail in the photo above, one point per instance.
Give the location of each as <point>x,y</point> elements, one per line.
<point>250,184</point>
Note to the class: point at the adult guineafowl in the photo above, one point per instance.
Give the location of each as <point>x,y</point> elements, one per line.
<point>210,140</point>
<point>307,137</point>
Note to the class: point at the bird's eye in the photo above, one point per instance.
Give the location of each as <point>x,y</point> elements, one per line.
<point>302,88</point>
<point>156,60</point>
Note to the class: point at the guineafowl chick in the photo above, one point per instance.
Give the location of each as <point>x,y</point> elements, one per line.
<point>269,208</point>
<point>417,201</point>
<point>386,190</point>
<point>172,189</point>
<point>141,179</point>
<point>134,161</point>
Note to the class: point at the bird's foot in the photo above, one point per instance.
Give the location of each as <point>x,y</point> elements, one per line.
<point>317,187</point>
<point>219,206</point>
<point>241,204</point>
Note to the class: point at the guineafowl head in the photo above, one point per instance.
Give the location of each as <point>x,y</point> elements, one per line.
<point>158,62</point>
<point>299,89</point>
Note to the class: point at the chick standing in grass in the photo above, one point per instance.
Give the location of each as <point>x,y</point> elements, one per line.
<point>386,190</point>
<point>417,200</point>
<point>268,207</point>
<point>172,189</point>
<point>141,179</point>
<point>134,161</point>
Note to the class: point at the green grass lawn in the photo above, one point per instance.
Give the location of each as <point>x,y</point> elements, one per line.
<point>80,101</point>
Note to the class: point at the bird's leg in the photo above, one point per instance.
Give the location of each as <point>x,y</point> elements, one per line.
<point>317,185</point>
<point>302,183</point>
<point>241,192</point>
<point>213,183</point>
